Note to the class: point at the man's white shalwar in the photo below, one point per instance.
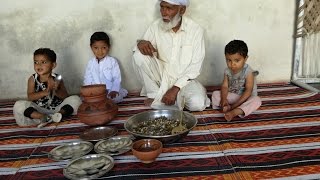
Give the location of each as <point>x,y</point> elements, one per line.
<point>178,62</point>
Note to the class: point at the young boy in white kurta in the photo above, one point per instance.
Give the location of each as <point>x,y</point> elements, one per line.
<point>104,69</point>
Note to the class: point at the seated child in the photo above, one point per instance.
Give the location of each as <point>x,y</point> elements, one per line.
<point>47,96</point>
<point>238,95</point>
<point>104,69</point>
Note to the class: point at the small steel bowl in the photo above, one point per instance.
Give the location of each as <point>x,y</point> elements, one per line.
<point>189,119</point>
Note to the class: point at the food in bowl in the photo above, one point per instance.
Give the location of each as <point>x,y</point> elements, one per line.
<point>159,126</point>
<point>188,119</point>
<point>147,150</point>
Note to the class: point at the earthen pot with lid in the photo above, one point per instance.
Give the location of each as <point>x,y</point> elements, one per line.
<point>96,109</point>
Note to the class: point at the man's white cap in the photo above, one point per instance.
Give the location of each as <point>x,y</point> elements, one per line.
<point>178,2</point>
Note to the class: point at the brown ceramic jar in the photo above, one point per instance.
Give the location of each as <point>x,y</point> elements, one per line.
<point>96,109</point>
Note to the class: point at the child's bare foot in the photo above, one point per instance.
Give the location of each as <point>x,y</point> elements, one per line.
<point>226,108</point>
<point>148,101</point>
<point>231,114</point>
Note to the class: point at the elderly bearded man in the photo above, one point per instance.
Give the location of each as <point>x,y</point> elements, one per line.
<point>169,58</point>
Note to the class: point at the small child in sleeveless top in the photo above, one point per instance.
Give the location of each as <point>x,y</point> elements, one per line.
<point>238,95</point>
<point>48,99</point>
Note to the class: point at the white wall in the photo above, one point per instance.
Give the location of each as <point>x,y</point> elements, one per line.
<point>66,26</point>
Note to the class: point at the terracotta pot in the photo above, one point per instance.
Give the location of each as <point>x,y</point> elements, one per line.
<point>93,90</point>
<point>97,113</point>
<point>147,150</point>
<point>97,98</point>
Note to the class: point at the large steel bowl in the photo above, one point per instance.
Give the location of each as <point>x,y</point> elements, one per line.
<point>134,120</point>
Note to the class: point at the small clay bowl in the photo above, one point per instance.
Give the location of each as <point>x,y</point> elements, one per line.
<point>147,150</point>
<point>93,90</point>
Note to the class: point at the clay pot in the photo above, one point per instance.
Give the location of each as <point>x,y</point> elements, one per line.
<point>92,99</point>
<point>97,113</point>
<point>93,90</point>
<point>147,150</point>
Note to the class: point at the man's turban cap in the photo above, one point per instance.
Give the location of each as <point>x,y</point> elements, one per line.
<point>178,2</point>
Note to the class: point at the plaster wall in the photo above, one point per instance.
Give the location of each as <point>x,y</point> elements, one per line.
<point>66,26</point>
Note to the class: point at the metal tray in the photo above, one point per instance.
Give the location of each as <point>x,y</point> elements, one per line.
<point>70,151</point>
<point>98,133</point>
<point>114,146</point>
<point>89,167</point>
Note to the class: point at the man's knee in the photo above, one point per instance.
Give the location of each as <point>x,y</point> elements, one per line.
<point>138,58</point>
<point>196,104</point>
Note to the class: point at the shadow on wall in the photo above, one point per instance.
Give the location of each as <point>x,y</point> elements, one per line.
<point>25,30</point>
<point>58,33</point>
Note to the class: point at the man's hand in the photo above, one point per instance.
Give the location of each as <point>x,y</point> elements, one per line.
<point>170,96</point>
<point>113,94</point>
<point>146,47</point>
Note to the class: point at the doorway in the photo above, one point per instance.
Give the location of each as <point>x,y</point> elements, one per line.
<point>306,63</point>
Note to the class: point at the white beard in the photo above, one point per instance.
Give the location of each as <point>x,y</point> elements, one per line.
<point>172,23</point>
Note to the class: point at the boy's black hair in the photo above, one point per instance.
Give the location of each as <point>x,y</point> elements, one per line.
<point>100,36</point>
<point>236,46</point>
<point>51,55</point>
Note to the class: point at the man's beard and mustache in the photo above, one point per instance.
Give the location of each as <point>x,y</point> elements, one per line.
<point>172,23</point>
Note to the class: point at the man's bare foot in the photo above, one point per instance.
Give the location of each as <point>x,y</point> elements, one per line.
<point>231,114</point>
<point>226,108</point>
<point>148,101</point>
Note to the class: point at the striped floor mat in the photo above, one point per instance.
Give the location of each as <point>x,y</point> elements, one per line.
<point>279,141</point>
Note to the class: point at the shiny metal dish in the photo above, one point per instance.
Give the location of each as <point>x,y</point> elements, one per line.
<point>114,145</point>
<point>98,133</point>
<point>89,167</point>
<point>189,119</point>
<point>70,151</point>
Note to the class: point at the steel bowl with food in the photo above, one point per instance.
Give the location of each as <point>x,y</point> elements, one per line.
<point>158,124</point>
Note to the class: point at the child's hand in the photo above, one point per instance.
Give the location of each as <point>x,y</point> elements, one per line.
<point>113,94</point>
<point>226,108</point>
<point>51,84</point>
<point>56,85</point>
<point>225,105</point>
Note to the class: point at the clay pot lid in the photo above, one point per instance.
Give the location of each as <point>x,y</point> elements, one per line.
<point>93,90</point>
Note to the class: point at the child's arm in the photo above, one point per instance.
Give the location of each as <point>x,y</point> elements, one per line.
<point>32,95</point>
<point>113,94</point>
<point>248,91</point>
<point>224,92</point>
<point>88,79</point>
<point>60,90</point>
<point>116,77</point>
